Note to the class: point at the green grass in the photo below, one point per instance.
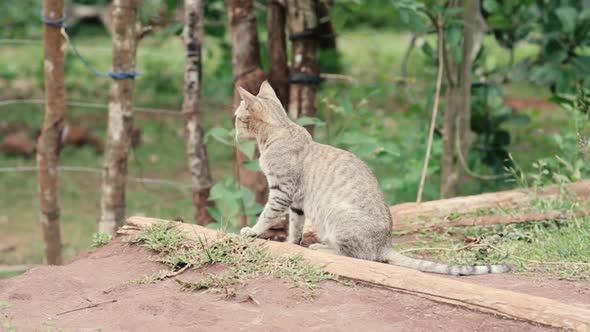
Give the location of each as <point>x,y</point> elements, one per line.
<point>9,274</point>
<point>553,247</point>
<point>244,259</point>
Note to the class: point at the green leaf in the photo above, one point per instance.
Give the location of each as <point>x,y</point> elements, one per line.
<point>501,138</point>
<point>546,75</point>
<point>427,49</point>
<point>498,21</point>
<point>564,101</point>
<point>248,148</point>
<point>216,214</point>
<point>453,36</point>
<point>254,210</point>
<point>567,17</point>
<point>491,6</point>
<point>367,149</point>
<point>581,64</point>
<point>306,121</point>
<point>222,190</point>
<point>518,119</point>
<point>354,138</point>
<point>221,135</point>
<point>252,165</point>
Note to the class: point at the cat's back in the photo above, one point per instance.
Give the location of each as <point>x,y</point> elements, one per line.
<point>333,171</point>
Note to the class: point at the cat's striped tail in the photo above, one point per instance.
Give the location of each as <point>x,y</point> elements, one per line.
<point>395,258</point>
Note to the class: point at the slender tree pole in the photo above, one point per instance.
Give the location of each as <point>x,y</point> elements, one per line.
<point>249,75</point>
<point>196,151</point>
<point>439,29</point>
<point>277,49</point>
<point>305,69</point>
<point>49,144</point>
<point>120,123</point>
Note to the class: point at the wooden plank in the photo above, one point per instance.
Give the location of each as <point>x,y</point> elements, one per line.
<point>410,213</point>
<point>490,220</point>
<point>506,303</point>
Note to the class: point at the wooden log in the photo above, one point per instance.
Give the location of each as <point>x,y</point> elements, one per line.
<point>490,220</point>
<point>501,302</point>
<point>412,213</point>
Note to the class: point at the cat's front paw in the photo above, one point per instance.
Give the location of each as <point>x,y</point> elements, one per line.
<point>248,232</point>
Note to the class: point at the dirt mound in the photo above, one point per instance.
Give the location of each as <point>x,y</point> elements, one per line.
<point>96,292</point>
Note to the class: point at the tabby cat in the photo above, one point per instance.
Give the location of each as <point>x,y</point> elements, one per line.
<point>331,187</point>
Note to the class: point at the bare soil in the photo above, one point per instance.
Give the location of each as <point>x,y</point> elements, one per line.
<point>100,286</point>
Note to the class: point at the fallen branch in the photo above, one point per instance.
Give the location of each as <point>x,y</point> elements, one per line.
<point>94,305</point>
<point>411,213</point>
<point>490,220</point>
<point>501,302</point>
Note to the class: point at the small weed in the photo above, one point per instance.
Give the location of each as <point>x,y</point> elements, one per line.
<point>4,305</point>
<point>9,326</point>
<point>48,328</point>
<point>153,278</point>
<point>245,260</point>
<point>100,239</point>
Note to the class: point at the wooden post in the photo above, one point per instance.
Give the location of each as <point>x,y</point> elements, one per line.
<point>49,144</point>
<point>305,70</point>
<point>120,123</point>
<point>196,151</point>
<point>249,75</point>
<point>277,49</point>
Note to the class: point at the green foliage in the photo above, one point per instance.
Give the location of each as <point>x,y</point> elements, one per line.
<point>488,119</point>
<point>20,19</point>
<point>231,201</point>
<point>100,239</point>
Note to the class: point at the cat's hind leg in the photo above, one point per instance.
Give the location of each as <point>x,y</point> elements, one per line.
<point>296,221</point>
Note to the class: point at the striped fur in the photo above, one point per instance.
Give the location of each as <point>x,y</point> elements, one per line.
<point>331,187</point>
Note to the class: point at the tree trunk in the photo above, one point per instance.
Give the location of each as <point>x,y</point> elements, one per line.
<point>449,176</point>
<point>305,69</point>
<point>196,151</point>
<point>120,122</point>
<point>473,34</point>
<point>249,75</point>
<point>457,118</point>
<point>277,49</point>
<point>49,144</point>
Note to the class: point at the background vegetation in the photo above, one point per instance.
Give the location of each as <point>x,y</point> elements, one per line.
<point>535,56</point>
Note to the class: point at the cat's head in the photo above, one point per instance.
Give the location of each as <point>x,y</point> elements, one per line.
<point>257,112</point>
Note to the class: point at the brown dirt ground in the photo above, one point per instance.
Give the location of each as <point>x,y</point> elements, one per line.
<point>37,298</point>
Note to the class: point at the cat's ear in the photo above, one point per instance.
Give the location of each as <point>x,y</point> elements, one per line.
<point>246,96</point>
<point>267,91</point>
